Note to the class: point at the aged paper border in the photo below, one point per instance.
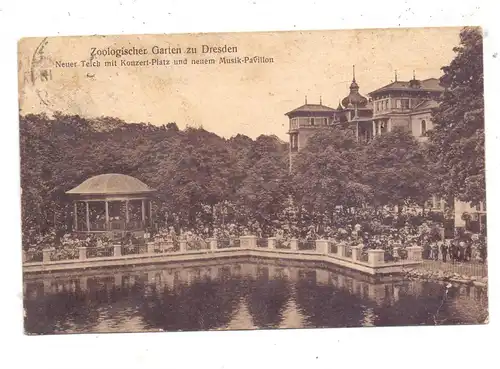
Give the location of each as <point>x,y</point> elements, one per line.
<point>388,347</point>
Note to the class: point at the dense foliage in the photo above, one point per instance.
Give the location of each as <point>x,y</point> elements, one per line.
<point>457,140</point>
<point>191,169</point>
<point>204,179</point>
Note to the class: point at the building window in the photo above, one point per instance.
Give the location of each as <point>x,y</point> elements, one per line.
<point>294,142</point>
<point>405,103</point>
<point>312,121</point>
<point>325,121</point>
<point>319,121</point>
<point>423,127</point>
<point>398,104</point>
<point>386,104</point>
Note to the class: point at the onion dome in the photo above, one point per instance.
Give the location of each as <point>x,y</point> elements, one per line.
<point>354,97</point>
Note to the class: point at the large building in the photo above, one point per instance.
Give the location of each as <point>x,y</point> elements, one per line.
<point>403,104</point>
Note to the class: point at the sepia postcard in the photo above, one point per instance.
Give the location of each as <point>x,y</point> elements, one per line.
<point>266,180</point>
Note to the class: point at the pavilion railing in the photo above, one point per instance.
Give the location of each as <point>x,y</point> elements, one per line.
<point>116,225</point>
<point>81,227</point>
<point>98,226</point>
<point>134,225</point>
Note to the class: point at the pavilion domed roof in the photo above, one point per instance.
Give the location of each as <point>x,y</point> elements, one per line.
<point>111,184</point>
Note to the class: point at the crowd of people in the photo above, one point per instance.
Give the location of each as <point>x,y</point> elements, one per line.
<point>372,228</point>
<point>463,248</point>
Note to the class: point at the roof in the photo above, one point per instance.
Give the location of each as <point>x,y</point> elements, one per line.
<point>368,106</point>
<point>354,98</point>
<point>312,108</point>
<point>362,119</point>
<point>426,104</point>
<point>430,84</point>
<point>111,184</point>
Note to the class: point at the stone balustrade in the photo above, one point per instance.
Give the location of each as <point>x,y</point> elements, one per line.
<point>82,253</point>
<point>182,245</point>
<point>376,257</point>
<point>341,249</point>
<point>395,252</point>
<point>415,253</point>
<point>212,242</point>
<point>46,255</point>
<point>248,242</point>
<point>356,252</point>
<point>322,246</point>
<point>271,243</point>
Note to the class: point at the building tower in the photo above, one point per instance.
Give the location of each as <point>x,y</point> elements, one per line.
<point>357,111</point>
<point>304,122</point>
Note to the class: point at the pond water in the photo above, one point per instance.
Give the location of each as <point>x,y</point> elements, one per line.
<point>239,295</point>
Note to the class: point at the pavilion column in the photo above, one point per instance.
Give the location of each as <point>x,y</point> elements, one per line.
<point>107,213</point>
<point>374,129</point>
<point>150,214</point>
<point>143,210</point>
<point>75,216</point>
<point>389,125</point>
<point>379,128</point>
<point>87,215</point>
<point>357,130</point>
<point>126,212</point>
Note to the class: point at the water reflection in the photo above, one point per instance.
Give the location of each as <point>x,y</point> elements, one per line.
<point>239,296</point>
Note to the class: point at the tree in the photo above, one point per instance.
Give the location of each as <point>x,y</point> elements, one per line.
<point>194,171</point>
<point>327,174</point>
<point>264,191</point>
<point>456,143</point>
<point>397,169</point>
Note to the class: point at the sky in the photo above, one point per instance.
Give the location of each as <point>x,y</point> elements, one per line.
<point>227,99</point>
